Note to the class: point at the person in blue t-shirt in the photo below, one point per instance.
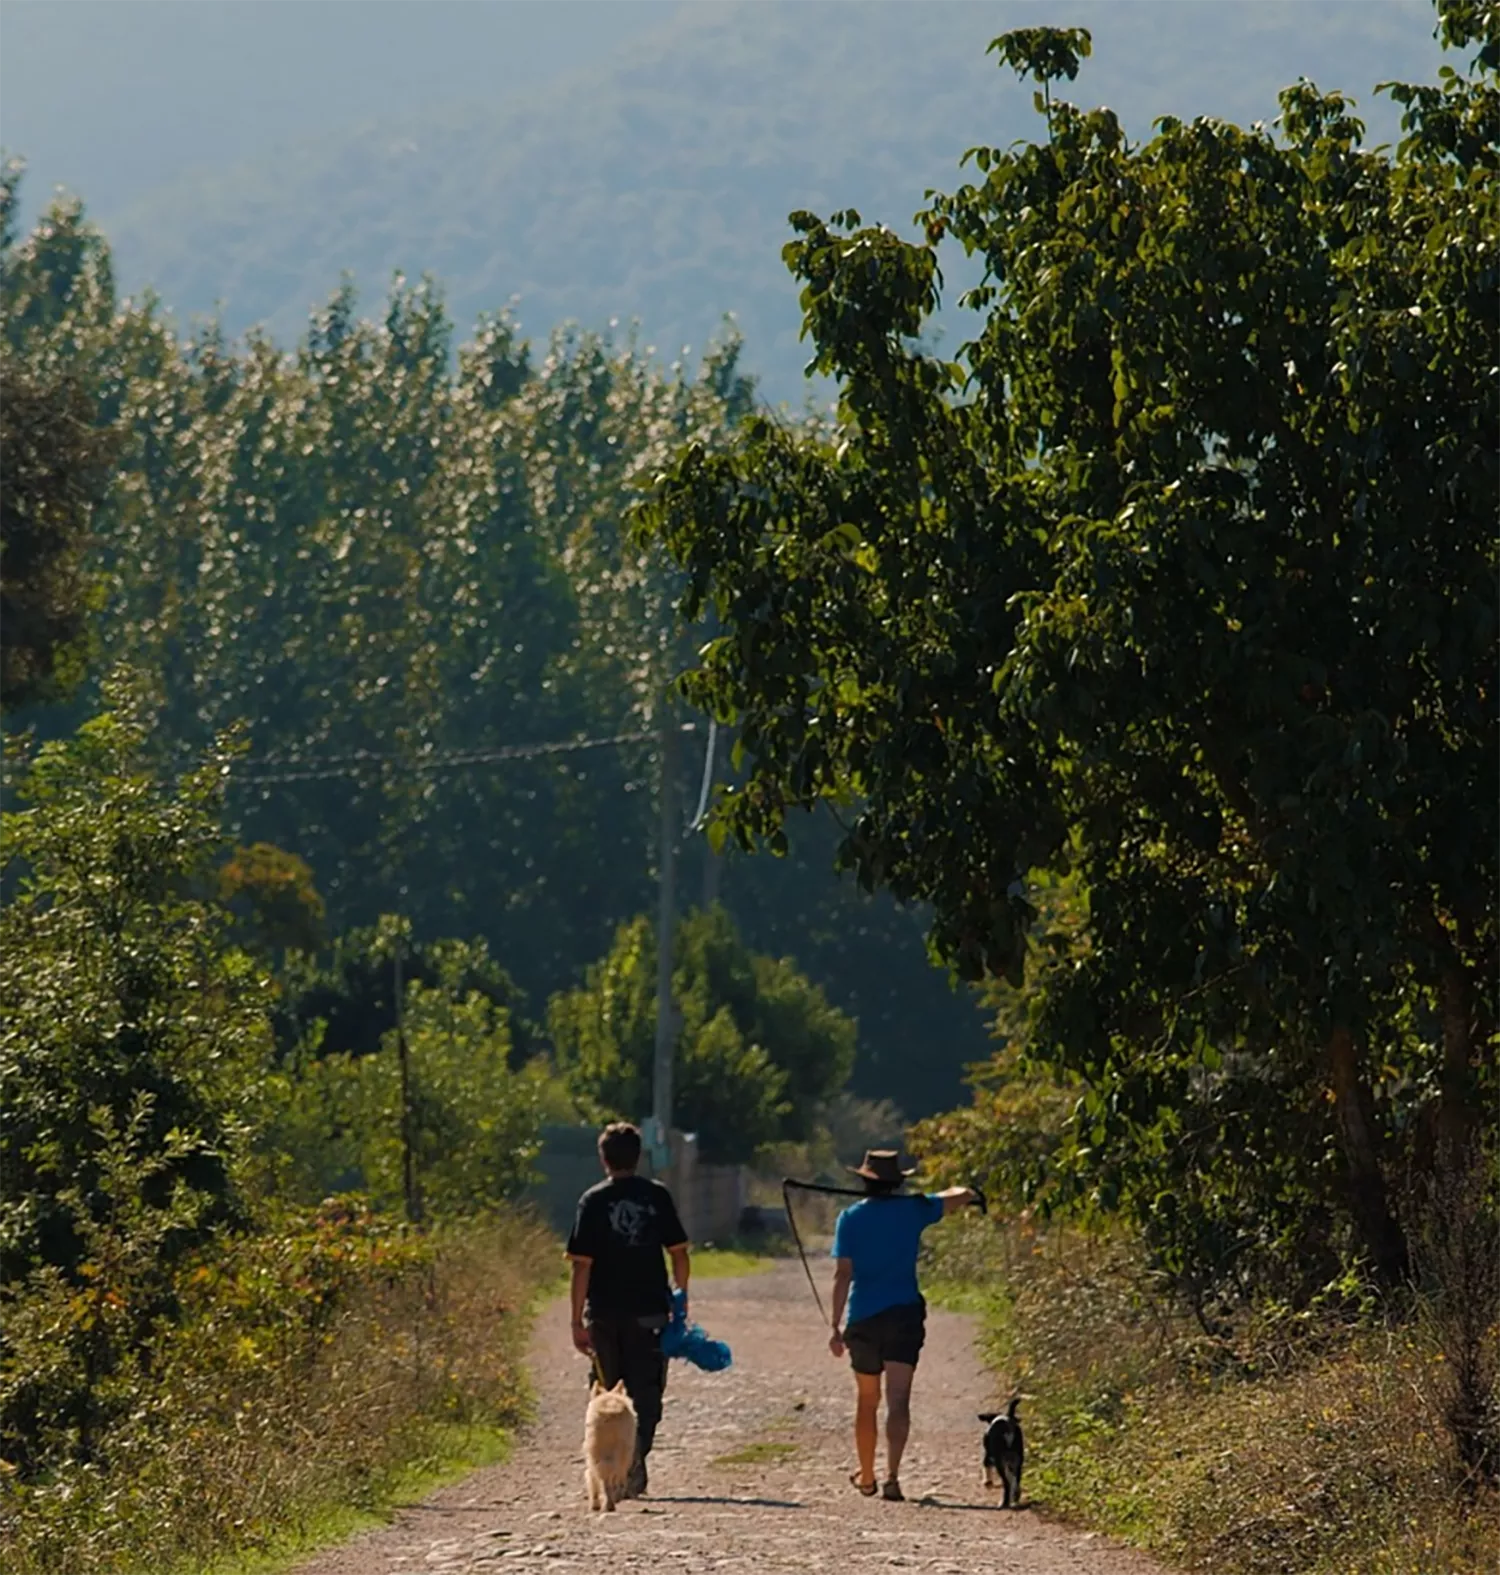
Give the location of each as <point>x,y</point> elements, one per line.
<point>875,1280</point>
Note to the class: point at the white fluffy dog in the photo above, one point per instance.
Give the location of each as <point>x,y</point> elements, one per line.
<point>608,1444</point>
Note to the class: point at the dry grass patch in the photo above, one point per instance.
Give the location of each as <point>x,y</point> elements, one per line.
<point>308,1374</point>
<point>1314,1445</point>
<point>768,1452</point>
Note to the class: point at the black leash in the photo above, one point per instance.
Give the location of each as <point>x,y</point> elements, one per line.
<point>980,1202</point>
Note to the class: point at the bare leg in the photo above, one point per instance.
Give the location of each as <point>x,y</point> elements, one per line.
<point>898,1377</point>
<point>866,1414</point>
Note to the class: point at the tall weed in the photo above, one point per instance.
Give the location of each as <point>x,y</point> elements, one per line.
<point>308,1365</point>
<point>1455,1242</point>
<point>1314,1443</point>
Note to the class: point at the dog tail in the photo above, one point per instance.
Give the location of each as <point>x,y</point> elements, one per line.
<point>1011,1414</point>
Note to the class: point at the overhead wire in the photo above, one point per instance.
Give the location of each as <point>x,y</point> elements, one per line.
<point>268,770</point>
<point>315,768</point>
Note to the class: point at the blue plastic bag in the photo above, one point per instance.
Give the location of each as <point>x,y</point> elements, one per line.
<point>688,1343</point>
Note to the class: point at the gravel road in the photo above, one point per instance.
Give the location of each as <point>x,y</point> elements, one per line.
<point>750,1472</point>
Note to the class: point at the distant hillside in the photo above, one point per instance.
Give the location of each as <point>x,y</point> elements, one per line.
<point>118,97</point>
<point>658,187</point>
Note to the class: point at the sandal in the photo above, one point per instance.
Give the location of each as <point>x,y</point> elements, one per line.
<point>892,1491</point>
<point>867,1488</point>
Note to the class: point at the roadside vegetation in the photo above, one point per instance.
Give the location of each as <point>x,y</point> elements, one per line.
<point>1149,643</point>
<point>277,1051</point>
<point>261,1251</point>
<point>1146,652</point>
<point>192,1360</point>
<point>310,1373</point>
<point>1319,1440</point>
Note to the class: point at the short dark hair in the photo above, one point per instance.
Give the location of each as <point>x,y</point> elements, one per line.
<point>620,1146</point>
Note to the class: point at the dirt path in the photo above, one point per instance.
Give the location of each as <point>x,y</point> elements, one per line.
<point>778,1509</point>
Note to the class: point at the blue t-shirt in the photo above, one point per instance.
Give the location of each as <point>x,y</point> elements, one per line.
<point>880,1236</point>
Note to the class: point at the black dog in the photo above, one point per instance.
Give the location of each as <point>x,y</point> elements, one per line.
<point>1004,1451</point>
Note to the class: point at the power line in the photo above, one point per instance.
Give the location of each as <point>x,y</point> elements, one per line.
<point>267,770</point>
<point>313,768</point>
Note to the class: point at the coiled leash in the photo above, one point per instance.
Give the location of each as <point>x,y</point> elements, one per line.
<point>789,1182</point>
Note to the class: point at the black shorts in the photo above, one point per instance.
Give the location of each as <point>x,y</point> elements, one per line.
<point>894,1334</point>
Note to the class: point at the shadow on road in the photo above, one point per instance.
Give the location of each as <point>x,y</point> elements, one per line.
<point>927,1501</point>
<point>703,1498</point>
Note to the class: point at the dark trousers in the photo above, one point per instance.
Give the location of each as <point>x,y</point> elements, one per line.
<point>630,1348</point>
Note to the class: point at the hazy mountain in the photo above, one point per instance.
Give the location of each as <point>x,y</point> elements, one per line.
<point>654,181</point>
<point>114,98</point>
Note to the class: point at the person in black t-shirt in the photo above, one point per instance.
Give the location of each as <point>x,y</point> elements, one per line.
<point>621,1302</point>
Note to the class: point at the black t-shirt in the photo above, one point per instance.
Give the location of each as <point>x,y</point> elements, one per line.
<point>623,1224</point>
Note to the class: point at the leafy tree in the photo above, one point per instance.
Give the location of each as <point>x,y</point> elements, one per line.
<point>52,470</point>
<point>343,1001</point>
<point>758,1048</point>
<point>397,572</point>
<point>771,1003</point>
<point>115,982</point>
<point>130,1043</point>
<point>596,423</point>
<point>273,894</point>
<point>400,572</point>
<point>1183,576</point>
<point>474,1119</point>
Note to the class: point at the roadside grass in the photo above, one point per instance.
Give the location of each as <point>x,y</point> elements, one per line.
<point>764,1452</point>
<point>729,1262</point>
<point>438,1453</point>
<point>1312,1448</point>
<point>275,1420</point>
<point>450,1453</point>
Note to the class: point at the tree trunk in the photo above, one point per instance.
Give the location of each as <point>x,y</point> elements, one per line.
<point>1381,1235</point>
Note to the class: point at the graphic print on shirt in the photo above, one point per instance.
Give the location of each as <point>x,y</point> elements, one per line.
<point>629,1220</point>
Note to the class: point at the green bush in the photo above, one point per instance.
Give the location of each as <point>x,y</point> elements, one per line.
<point>1313,1441</point>
<point>131,1040</point>
<point>475,1123</point>
<point>759,1049</point>
<point>306,1364</point>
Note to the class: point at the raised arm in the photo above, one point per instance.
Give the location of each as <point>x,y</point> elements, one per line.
<point>956,1198</point>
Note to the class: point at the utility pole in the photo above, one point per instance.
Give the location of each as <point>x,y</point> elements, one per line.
<point>661,1072</point>
<point>408,1168</point>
